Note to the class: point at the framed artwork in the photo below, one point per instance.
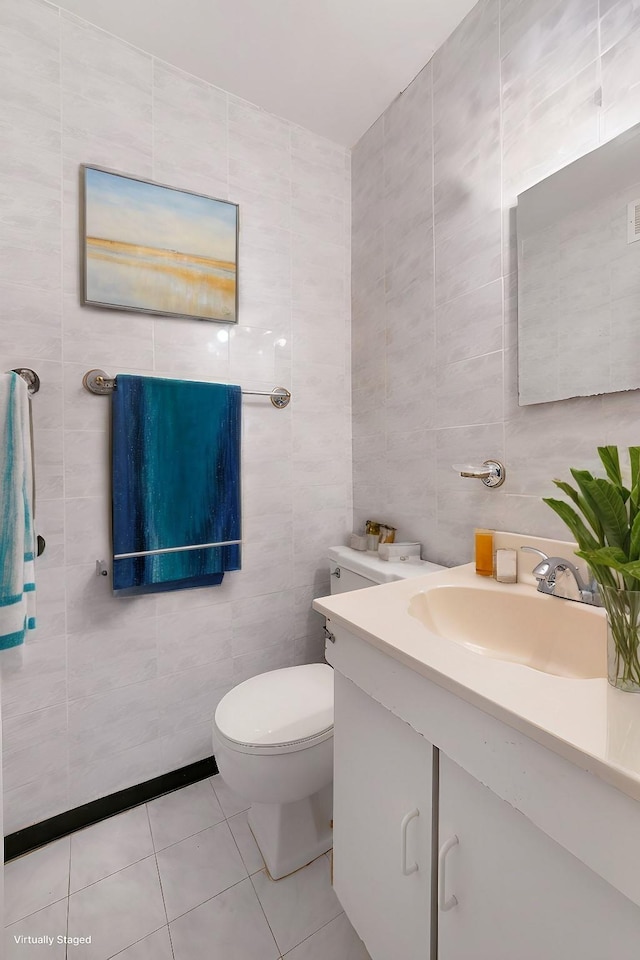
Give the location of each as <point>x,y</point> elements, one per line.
<point>157,249</point>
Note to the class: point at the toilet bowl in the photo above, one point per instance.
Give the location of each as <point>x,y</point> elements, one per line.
<point>273,743</point>
<point>273,736</point>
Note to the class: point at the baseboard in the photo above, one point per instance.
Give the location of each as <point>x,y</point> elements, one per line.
<point>23,841</point>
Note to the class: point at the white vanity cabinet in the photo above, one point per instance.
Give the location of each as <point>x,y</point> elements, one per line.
<point>519,894</point>
<point>545,852</point>
<point>382,825</point>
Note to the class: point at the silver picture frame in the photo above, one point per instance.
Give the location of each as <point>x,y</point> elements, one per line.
<point>120,273</point>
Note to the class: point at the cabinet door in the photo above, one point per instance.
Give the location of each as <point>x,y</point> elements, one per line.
<point>519,894</point>
<point>382,826</point>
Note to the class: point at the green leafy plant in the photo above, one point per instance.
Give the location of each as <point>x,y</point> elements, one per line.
<point>604,518</point>
<point>608,529</point>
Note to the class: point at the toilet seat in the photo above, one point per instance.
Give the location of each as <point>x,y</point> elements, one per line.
<point>278,712</point>
<point>273,749</point>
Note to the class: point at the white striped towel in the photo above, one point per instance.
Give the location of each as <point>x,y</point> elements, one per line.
<point>17,541</point>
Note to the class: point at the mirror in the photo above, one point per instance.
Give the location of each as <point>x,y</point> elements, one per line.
<point>579,277</point>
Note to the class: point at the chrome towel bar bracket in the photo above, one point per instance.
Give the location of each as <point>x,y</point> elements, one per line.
<point>30,377</point>
<point>96,381</point>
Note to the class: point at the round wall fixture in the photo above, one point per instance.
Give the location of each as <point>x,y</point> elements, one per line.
<point>491,472</point>
<point>496,473</point>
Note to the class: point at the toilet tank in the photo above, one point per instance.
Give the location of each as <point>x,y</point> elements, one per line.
<point>354,569</point>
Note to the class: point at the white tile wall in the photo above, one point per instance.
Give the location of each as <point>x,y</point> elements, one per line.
<point>110,693</point>
<point>512,96</point>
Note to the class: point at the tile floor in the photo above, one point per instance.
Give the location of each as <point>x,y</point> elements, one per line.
<point>179,878</point>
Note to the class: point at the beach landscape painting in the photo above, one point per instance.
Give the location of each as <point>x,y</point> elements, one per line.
<point>158,249</point>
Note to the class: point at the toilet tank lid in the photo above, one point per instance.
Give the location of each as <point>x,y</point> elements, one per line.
<point>278,707</point>
<point>370,565</point>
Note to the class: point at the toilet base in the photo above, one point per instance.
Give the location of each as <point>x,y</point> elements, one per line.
<point>290,835</point>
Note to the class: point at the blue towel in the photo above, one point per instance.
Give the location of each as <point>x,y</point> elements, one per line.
<point>175,482</point>
<point>17,542</point>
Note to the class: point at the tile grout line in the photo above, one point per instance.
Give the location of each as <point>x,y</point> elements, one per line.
<point>164,903</point>
<point>333,919</point>
<point>237,844</point>
<point>63,425</point>
<point>295,946</point>
<point>219,822</point>
<point>173,953</point>
<point>232,817</point>
<point>27,916</point>
<point>208,900</point>
<point>133,862</point>
<point>504,237</point>
<point>114,956</point>
<point>249,875</point>
<point>66,946</point>
<point>155,857</point>
<point>182,840</point>
<point>109,875</point>
<point>255,892</point>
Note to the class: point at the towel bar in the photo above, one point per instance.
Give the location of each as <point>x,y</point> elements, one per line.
<point>195,546</point>
<point>96,381</point>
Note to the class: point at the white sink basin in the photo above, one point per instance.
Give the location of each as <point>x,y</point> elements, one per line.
<point>555,636</point>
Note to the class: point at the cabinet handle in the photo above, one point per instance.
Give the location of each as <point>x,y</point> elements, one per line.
<point>406,820</point>
<point>443,903</point>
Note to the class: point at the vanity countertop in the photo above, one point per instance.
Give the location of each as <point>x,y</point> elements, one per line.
<point>588,722</point>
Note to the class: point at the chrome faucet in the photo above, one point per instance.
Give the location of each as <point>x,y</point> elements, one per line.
<point>546,573</point>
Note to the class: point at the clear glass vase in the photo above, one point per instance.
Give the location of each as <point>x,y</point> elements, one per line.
<point>623,637</point>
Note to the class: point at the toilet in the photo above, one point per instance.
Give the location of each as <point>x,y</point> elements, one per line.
<point>273,736</point>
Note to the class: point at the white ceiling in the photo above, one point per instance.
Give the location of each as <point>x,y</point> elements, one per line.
<point>332,66</point>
